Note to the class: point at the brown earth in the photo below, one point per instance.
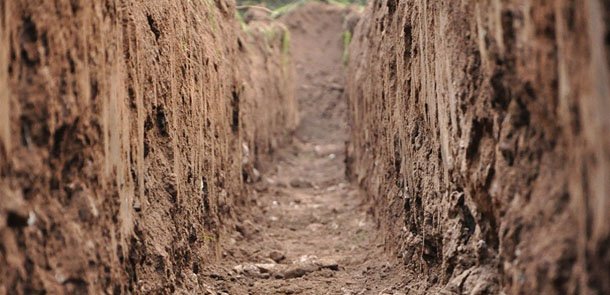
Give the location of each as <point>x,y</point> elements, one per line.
<point>148,148</point>
<point>481,130</point>
<point>307,232</point>
<point>123,129</point>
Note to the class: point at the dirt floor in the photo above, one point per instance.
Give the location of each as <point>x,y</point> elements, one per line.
<point>309,232</point>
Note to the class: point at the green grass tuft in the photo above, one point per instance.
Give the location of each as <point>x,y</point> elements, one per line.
<point>286,42</point>
<point>347,39</point>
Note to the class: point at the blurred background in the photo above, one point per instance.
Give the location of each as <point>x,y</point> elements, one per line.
<point>274,4</point>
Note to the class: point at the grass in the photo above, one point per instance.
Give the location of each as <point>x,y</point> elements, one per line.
<point>242,23</point>
<point>347,39</point>
<point>284,9</point>
<point>279,10</point>
<point>269,33</point>
<point>286,42</point>
<point>285,54</point>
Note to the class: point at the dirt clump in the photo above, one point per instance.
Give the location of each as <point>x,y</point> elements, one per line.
<point>481,130</point>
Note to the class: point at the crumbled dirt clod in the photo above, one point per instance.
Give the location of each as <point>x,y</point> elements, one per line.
<point>298,270</point>
<point>300,183</point>
<point>277,256</point>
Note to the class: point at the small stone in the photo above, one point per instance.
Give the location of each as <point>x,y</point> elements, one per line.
<point>250,270</point>
<point>31,218</point>
<point>136,205</point>
<point>277,256</point>
<point>256,175</point>
<point>299,270</point>
<point>328,264</point>
<point>300,183</point>
<point>265,267</point>
<point>60,277</point>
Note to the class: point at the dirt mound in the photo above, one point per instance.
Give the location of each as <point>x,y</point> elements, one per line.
<point>481,130</point>
<point>123,128</point>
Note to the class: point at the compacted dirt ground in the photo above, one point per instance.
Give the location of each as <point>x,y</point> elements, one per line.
<point>308,233</point>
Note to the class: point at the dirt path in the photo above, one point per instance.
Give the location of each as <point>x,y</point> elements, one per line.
<point>309,233</point>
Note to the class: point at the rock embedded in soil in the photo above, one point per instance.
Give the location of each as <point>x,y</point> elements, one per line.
<point>299,269</point>
<point>266,267</point>
<point>328,264</point>
<point>251,270</point>
<point>300,183</point>
<point>277,256</point>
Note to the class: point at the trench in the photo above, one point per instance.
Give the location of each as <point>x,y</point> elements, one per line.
<point>310,230</point>
<point>409,147</point>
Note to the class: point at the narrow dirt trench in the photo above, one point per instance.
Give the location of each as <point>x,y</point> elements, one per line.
<point>309,230</point>
<point>400,147</point>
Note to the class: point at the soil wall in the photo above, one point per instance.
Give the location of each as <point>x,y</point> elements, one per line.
<point>268,89</point>
<point>122,134</point>
<point>482,129</point>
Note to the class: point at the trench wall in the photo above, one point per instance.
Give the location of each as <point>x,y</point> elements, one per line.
<point>481,128</point>
<point>122,134</point>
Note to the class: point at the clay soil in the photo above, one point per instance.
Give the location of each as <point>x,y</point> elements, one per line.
<point>204,180</point>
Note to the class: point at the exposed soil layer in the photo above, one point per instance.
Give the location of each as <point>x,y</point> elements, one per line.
<point>124,139</point>
<point>146,147</point>
<point>481,131</point>
<point>268,110</point>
